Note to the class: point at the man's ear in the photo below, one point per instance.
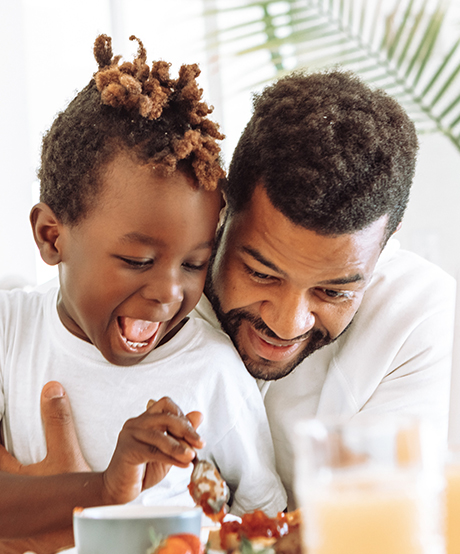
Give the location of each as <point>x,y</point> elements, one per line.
<point>46,229</point>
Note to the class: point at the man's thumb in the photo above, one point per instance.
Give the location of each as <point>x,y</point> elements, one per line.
<point>61,438</point>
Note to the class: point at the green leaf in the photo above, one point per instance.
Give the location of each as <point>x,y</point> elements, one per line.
<point>397,51</point>
<point>248,548</point>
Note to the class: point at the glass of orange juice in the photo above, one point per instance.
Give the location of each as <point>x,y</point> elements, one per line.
<point>370,486</point>
<point>452,527</point>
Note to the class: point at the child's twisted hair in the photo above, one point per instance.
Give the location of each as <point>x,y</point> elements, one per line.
<point>136,87</point>
<point>128,105</point>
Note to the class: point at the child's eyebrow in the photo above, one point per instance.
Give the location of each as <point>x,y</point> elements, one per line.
<point>141,238</point>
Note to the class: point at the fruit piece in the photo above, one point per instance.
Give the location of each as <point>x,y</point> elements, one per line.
<point>193,541</point>
<point>174,545</point>
<point>181,543</point>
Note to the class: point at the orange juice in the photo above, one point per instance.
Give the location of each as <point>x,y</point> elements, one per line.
<point>453,509</point>
<point>362,517</point>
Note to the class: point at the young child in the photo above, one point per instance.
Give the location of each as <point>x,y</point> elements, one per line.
<point>129,206</point>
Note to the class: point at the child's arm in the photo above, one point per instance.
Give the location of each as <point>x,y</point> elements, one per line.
<point>30,504</point>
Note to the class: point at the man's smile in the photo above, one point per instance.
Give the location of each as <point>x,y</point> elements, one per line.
<point>269,348</point>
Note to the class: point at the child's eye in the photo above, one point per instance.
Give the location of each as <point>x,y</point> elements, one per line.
<point>137,264</point>
<point>195,267</point>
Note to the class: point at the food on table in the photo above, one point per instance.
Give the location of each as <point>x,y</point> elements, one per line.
<point>208,489</point>
<point>180,543</point>
<point>256,531</point>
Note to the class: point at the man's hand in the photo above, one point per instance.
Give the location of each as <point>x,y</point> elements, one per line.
<point>63,456</point>
<point>63,450</point>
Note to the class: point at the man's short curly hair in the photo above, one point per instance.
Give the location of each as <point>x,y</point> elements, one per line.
<point>127,106</point>
<point>333,154</point>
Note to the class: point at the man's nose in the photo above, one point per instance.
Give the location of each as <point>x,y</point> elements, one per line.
<point>288,316</point>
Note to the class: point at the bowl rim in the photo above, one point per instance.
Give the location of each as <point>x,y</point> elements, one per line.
<point>135,511</point>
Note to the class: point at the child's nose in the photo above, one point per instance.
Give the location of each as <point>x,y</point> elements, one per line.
<point>165,290</point>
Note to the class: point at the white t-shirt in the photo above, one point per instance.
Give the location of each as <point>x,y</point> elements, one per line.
<point>395,357</point>
<point>199,369</point>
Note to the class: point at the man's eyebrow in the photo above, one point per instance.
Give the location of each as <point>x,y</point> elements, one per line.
<point>339,281</point>
<point>141,238</point>
<point>258,256</point>
<point>344,280</point>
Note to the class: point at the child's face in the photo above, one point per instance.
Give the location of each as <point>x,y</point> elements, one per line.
<point>135,267</point>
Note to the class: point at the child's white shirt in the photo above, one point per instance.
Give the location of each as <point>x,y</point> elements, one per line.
<point>198,368</point>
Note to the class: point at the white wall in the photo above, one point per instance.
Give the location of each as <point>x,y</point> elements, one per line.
<point>47,56</point>
<point>431,226</point>
<point>46,48</point>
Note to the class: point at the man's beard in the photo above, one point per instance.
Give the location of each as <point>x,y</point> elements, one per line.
<point>264,369</point>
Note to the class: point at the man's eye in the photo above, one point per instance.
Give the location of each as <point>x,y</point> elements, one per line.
<point>263,276</point>
<point>336,293</point>
<point>257,275</point>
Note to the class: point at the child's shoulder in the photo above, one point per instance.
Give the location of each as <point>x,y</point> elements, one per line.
<point>24,302</point>
<point>212,337</point>
<point>214,346</point>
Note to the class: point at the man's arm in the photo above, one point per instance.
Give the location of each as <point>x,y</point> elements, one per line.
<point>35,500</point>
<point>45,500</point>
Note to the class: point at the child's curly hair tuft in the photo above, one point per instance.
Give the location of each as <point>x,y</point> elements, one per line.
<point>132,106</point>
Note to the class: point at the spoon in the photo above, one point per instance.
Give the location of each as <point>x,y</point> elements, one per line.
<point>207,488</point>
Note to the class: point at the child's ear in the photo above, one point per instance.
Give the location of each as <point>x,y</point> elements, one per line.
<point>223,212</point>
<point>46,229</point>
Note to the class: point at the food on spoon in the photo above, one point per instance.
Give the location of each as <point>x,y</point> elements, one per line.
<point>208,489</point>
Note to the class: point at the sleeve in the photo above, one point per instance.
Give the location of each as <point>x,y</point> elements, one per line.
<point>406,357</point>
<point>397,355</point>
<point>4,316</point>
<point>418,380</point>
<point>245,457</point>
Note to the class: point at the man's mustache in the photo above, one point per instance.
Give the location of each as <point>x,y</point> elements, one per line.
<point>238,315</point>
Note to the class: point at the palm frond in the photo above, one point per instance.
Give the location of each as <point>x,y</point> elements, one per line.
<point>397,50</point>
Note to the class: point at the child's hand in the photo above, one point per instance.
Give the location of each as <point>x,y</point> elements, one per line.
<point>148,446</point>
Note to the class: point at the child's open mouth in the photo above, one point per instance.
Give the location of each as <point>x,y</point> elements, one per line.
<point>137,333</point>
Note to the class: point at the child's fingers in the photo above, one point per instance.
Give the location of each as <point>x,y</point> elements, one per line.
<point>165,405</point>
<point>177,425</point>
<point>195,419</point>
<point>160,437</point>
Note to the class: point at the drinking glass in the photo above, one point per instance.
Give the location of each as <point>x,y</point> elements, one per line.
<point>452,527</point>
<point>370,486</point>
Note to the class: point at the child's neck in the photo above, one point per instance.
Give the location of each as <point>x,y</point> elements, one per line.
<point>173,332</point>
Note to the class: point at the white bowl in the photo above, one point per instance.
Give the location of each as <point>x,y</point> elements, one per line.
<point>125,529</point>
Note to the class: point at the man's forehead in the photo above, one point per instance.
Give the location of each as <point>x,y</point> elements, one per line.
<point>263,235</point>
<point>260,207</point>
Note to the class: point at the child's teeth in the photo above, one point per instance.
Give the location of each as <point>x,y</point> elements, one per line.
<point>135,344</point>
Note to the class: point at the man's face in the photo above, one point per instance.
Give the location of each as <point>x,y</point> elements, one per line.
<point>281,291</point>
<point>135,266</point>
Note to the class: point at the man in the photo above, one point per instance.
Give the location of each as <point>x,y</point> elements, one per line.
<point>305,276</point>
<point>323,308</point>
